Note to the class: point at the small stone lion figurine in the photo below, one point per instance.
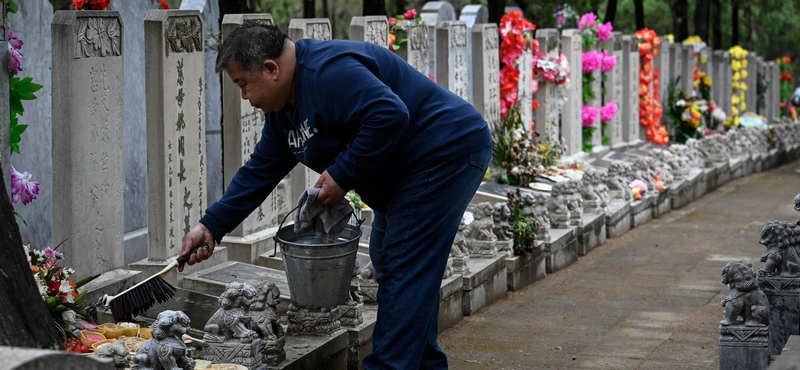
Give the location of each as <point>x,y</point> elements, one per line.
<point>797,206</point>
<point>165,350</point>
<point>780,238</point>
<point>116,352</point>
<point>745,299</point>
<point>232,319</point>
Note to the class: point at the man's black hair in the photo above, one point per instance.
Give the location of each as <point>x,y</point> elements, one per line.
<point>250,45</point>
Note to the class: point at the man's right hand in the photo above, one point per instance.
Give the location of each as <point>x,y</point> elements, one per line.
<point>195,237</point>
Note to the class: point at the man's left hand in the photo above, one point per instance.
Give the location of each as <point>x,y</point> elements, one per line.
<point>330,193</point>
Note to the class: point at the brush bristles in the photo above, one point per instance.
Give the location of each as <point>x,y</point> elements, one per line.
<point>141,298</point>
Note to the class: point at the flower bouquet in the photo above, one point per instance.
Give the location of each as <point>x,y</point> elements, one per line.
<point>401,23</point>
<point>524,227</point>
<point>515,156</point>
<point>685,113</point>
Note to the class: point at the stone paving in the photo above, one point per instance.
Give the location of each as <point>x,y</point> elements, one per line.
<point>646,300</point>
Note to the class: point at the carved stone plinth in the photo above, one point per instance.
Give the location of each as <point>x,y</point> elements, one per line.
<point>235,352</point>
<point>743,347</point>
<point>460,265</point>
<point>312,321</point>
<point>592,206</point>
<point>618,219</point>
<point>505,247</point>
<point>482,248</point>
<point>352,315</point>
<point>783,295</point>
<point>559,221</point>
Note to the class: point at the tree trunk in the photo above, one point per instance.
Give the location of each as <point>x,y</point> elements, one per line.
<point>374,7</point>
<point>24,318</point>
<point>611,11</point>
<point>526,12</point>
<point>325,10</point>
<point>747,40</point>
<point>680,19</point>
<point>497,8</point>
<point>735,22</point>
<point>308,9</point>
<point>701,19</point>
<point>400,7</point>
<point>638,6</point>
<point>716,21</point>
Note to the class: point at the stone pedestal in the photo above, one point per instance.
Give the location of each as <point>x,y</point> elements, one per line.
<point>451,309</point>
<point>723,173</point>
<point>562,249</point>
<point>316,352</point>
<point>790,359</point>
<point>484,284</point>
<point>736,167</point>
<point>234,352</point>
<point>312,321</point>
<point>661,203</point>
<point>747,165</point>
<point>592,232</point>
<point>360,338</point>
<point>679,194</point>
<point>525,269</point>
<point>783,295</point>
<point>743,347</point>
<point>641,210</point>
<point>618,219</point>
<point>250,247</point>
<point>352,315</point>
<point>697,177</point>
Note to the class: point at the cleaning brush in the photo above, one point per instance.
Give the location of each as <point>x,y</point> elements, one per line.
<point>141,297</point>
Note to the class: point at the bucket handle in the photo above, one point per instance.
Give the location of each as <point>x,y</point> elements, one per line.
<point>275,238</point>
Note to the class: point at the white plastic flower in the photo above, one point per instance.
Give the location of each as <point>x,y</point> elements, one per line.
<point>66,289</point>
<point>40,284</point>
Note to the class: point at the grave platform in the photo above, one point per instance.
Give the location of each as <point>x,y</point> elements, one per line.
<point>736,167</point>
<point>618,219</point>
<point>451,309</point>
<point>249,247</point>
<point>641,210</point>
<point>679,193</point>
<point>698,182</point>
<point>790,358</point>
<point>360,338</point>
<point>525,269</point>
<point>112,283</point>
<point>743,347</point>
<point>562,249</point>
<point>711,177</point>
<point>661,203</point>
<point>772,159</point>
<point>758,162</point>
<point>723,173</point>
<point>592,232</point>
<point>212,281</point>
<point>149,267</point>
<point>306,352</point>
<point>783,295</point>
<point>484,284</point>
<point>747,165</point>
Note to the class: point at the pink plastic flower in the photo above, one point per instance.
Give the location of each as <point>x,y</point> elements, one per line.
<point>604,31</point>
<point>591,61</point>
<point>587,20</point>
<point>589,116</point>
<point>15,59</point>
<point>15,42</point>
<point>608,111</point>
<point>608,63</point>
<point>534,86</point>
<point>410,15</point>
<point>51,253</point>
<point>22,188</point>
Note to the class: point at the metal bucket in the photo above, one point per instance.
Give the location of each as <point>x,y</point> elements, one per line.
<point>318,273</point>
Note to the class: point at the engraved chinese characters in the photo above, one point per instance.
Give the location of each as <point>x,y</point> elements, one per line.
<point>452,64</point>
<point>486,78</point>
<point>175,68</point>
<point>571,126</point>
<point>88,139</point>
<point>372,29</point>
<point>415,51</point>
<point>314,28</point>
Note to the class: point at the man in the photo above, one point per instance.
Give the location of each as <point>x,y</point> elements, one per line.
<point>368,121</point>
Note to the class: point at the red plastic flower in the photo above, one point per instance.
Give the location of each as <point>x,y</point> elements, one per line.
<point>410,15</point>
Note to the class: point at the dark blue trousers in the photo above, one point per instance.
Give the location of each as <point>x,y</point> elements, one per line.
<point>409,247</point>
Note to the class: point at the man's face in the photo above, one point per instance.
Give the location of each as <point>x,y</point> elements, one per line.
<point>266,89</point>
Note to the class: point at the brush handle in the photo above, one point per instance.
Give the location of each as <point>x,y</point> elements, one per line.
<point>183,259</point>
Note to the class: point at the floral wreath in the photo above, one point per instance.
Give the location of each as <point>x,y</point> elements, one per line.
<point>554,70</point>
<point>650,110</point>
<point>739,67</point>
<point>103,4</point>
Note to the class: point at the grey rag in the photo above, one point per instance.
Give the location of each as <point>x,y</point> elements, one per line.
<point>327,222</point>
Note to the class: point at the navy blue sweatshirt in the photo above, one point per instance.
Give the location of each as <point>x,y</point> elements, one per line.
<point>363,114</point>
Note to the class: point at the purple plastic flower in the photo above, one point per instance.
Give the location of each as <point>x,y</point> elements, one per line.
<point>604,31</point>
<point>22,188</point>
<point>52,253</point>
<point>15,59</point>
<point>15,42</point>
<point>560,18</point>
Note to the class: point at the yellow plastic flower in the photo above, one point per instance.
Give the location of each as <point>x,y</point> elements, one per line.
<point>735,86</point>
<point>695,113</point>
<point>743,86</point>
<point>743,73</point>
<point>735,65</point>
<point>735,100</point>
<point>734,111</point>
<point>671,38</point>
<point>707,80</point>
<point>703,59</point>
<point>736,76</point>
<point>696,84</point>
<point>744,63</point>
<point>736,121</point>
<point>744,106</point>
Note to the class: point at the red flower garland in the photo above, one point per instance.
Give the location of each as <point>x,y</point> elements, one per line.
<point>650,110</point>
<point>512,45</point>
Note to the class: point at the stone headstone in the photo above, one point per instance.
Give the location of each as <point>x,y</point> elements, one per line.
<point>415,50</point>
<point>36,145</point>
<point>571,126</point>
<point>750,80</point>
<point>486,72</point>
<point>687,68</point>
<point>373,29</point>
<point>451,44</point>
<point>662,63</point>
<point>768,98</point>
<point>472,15</point>
<point>717,82</point>
<point>88,104</point>
<point>17,358</point>
<point>525,89</point>
<point>613,86</point>
<point>629,109</point>
<point>318,29</point>
<point>775,87</point>
<point>175,73</point>
<point>548,113</point>
<point>432,13</point>
<point>759,98</point>
<point>597,103</point>
<point>783,294</point>
<point>213,91</point>
<point>242,131</point>
<point>727,79</point>
<point>5,134</point>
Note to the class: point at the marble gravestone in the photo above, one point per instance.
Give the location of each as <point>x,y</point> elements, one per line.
<point>717,83</point>
<point>473,15</point>
<point>486,72</point>
<point>597,103</point>
<point>525,88</point>
<point>675,65</point>
<point>87,134</point>
<point>319,29</point>
<point>613,89</point>
<point>572,47</point>
<point>687,68</point>
<point>726,74</point>
<point>373,29</point>
<point>451,66</point>
<point>629,107</point>
<point>547,114</point>
<point>662,63</point>
<point>176,171</point>
<point>432,13</point>
<point>5,164</point>
<point>415,50</point>
<point>750,80</point>
<point>775,87</point>
<point>759,98</point>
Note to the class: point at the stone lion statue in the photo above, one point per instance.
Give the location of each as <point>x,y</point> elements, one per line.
<point>780,258</point>
<point>232,319</point>
<point>745,299</point>
<point>165,350</point>
<point>116,352</point>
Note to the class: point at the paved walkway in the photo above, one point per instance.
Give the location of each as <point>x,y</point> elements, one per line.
<point>646,300</point>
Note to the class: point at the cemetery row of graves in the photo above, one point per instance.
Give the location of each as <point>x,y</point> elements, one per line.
<point>596,133</point>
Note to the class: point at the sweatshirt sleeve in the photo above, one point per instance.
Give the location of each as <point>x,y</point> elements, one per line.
<point>351,95</point>
<point>268,165</point>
